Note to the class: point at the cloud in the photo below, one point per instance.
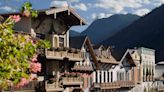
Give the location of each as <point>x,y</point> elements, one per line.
<point>158,2</point>
<point>117,6</point>
<point>100,15</point>
<point>94,16</point>
<point>72,0</point>
<point>58,4</point>
<point>7,8</point>
<point>142,12</point>
<point>81,6</point>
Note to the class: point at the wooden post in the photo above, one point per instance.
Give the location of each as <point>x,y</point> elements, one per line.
<point>88,43</point>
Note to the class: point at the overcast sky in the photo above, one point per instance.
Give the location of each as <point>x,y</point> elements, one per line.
<point>90,9</point>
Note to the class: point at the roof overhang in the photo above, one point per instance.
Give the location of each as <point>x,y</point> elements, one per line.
<point>68,14</point>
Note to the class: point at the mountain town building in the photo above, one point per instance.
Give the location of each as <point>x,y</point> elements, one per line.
<point>73,64</point>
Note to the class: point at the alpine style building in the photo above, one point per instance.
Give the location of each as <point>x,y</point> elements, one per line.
<point>73,64</point>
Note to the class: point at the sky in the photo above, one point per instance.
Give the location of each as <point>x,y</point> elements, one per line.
<point>90,10</point>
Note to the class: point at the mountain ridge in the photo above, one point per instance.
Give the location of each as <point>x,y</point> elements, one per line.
<point>144,32</point>
<point>103,28</point>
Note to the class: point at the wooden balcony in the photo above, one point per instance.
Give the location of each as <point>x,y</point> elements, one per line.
<point>52,54</point>
<point>72,81</point>
<point>55,86</point>
<point>96,85</point>
<point>114,85</point>
<point>152,78</point>
<point>30,87</point>
<point>124,84</point>
<point>82,68</point>
<point>160,88</point>
<point>148,78</point>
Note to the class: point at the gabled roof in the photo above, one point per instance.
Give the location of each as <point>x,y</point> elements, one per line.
<point>78,42</point>
<point>68,14</point>
<point>128,55</point>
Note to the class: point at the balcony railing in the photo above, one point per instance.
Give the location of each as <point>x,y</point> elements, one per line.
<point>82,66</point>
<point>114,85</point>
<point>72,81</point>
<point>124,84</point>
<point>52,54</point>
<point>160,88</point>
<point>148,78</point>
<point>55,86</point>
<point>30,87</point>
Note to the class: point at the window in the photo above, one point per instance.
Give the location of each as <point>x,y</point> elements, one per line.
<point>55,42</point>
<point>132,73</point>
<point>61,42</point>
<point>127,75</point>
<point>100,77</point>
<point>121,76</point>
<point>108,76</point>
<point>118,76</point>
<point>111,76</point>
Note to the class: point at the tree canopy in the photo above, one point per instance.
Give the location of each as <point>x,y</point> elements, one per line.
<point>18,52</point>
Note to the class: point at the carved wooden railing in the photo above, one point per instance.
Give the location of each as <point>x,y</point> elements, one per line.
<point>64,54</point>
<point>28,87</point>
<point>148,78</point>
<point>72,80</point>
<point>114,85</point>
<point>126,83</point>
<point>55,86</point>
<point>160,88</point>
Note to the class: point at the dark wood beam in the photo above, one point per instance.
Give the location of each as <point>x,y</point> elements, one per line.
<point>88,43</point>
